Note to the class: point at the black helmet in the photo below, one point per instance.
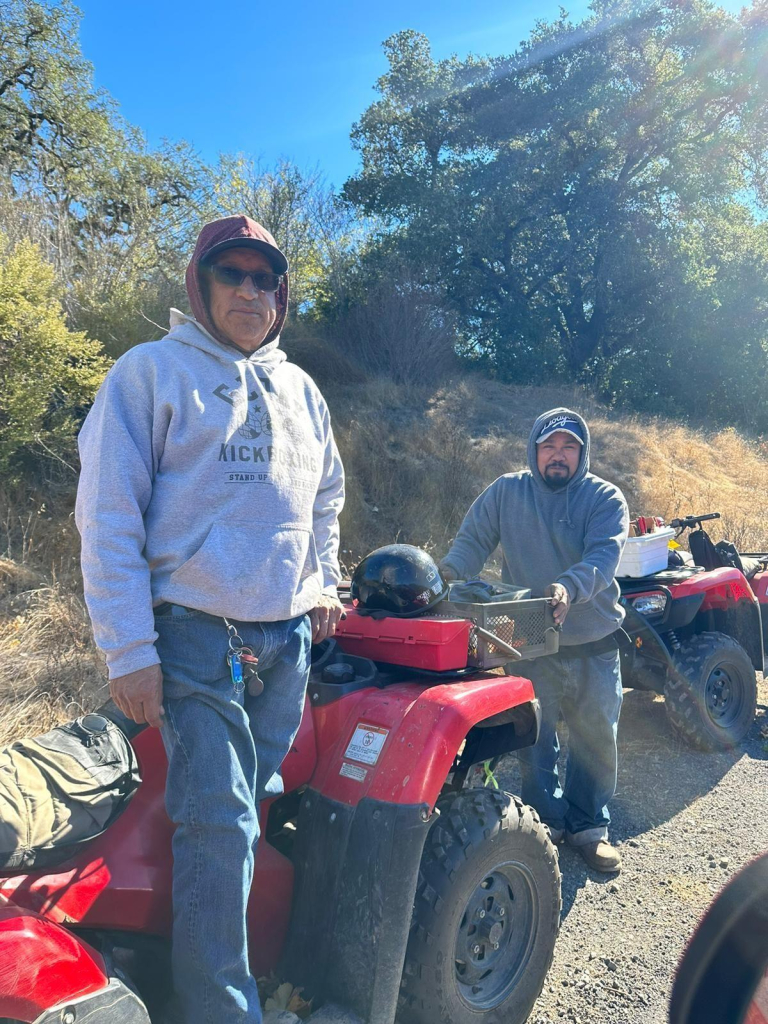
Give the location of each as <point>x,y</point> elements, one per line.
<point>398,579</point>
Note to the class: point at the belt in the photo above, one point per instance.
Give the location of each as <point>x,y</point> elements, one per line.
<point>616,641</point>
<point>166,608</point>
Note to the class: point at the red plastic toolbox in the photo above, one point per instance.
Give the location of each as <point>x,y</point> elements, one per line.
<point>439,645</point>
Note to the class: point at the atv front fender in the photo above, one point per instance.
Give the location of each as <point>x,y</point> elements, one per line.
<point>416,731</point>
<point>42,964</point>
<point>49,975</point>
<point>383,759</point>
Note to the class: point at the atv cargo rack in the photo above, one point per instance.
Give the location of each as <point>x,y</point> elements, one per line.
<point>503,631</point>
<point>453,635</point>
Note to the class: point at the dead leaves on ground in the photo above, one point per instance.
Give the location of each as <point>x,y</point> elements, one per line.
<point>277,995</point>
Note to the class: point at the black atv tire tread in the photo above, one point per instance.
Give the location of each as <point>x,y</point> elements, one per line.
<point>473,818</point>
<point>681,701</point>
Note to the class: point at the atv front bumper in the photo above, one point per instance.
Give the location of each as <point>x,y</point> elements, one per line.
<point>51,975</point>
<point>115,1004</point>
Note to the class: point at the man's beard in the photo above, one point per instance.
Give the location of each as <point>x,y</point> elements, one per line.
<point>561,475</point>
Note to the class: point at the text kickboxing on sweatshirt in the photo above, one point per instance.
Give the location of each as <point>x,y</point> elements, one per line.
<point>209,479</point>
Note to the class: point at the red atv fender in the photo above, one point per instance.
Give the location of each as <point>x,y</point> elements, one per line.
<point>48,969</point>
<point>733,606</point>
<point>383,758</point>
<point>723,600</point>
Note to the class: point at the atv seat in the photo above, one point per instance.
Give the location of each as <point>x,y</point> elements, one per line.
<point>663,578</point>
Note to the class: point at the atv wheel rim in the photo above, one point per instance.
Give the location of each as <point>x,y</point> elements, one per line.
<point>723,697</point>
<point>496,936</point>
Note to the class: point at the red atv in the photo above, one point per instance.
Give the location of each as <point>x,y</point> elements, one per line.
<point>383,882</point>
<point>697,637</point>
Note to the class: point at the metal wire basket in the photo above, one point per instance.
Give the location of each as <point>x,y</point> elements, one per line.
<point>504,631</point>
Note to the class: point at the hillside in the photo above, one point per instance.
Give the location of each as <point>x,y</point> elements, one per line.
<point>415,459</point>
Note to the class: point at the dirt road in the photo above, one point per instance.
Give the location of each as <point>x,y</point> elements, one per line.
<point>684,822</point>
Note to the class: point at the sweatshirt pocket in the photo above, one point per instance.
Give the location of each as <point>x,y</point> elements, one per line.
<point>250,571</point>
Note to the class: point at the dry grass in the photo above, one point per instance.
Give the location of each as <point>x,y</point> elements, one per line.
<point>416,457</point>
<point>49,668</point>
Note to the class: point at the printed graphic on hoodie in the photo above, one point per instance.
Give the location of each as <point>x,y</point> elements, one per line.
<point>296,450</point>
<point>257,421</point>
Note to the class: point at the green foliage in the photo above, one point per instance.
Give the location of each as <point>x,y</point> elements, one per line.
<point>51,117</point>
<point>115,218</point>
<point>591,208</point>
<point>48,374</point>
<point>560,197</point>
<point>62,137</point>
<point>118,220</point>
<point>130,236</point>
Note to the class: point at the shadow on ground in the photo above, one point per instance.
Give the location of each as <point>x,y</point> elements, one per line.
<point>659,776</point>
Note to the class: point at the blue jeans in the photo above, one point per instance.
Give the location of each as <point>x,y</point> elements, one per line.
<point>587,691</point>
<point>224,754</point>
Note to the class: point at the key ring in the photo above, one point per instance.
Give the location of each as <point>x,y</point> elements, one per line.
<point>235,640</point>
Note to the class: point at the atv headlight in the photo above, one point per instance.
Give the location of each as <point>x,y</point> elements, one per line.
<point>650,604</point>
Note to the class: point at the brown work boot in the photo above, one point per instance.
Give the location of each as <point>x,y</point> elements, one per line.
<point>601,856</point>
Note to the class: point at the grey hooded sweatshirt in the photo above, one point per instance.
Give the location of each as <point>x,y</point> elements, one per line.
<point>572,535</point>
<point>210,478</point>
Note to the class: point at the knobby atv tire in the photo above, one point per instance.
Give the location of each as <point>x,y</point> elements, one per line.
<point>701,663</point>
<point>479,835</point>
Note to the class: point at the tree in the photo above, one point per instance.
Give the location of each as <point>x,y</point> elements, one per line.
<point>132,241</point>
<point>551,194</point>
<point>51,117</point>
<point>114,217</point>
<point>48,374</point>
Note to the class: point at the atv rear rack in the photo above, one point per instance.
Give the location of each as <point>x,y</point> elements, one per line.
<point>504,631</point>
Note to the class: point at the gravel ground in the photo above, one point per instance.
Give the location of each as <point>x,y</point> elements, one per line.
<point>684,822</point>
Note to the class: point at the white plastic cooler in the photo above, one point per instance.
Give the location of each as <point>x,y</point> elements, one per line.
<point>647,554</point>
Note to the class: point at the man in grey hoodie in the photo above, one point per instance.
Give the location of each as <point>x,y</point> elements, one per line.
<point>208,507</point>
<point>562,531</point>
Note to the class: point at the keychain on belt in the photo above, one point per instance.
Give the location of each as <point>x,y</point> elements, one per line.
<point>242,664</point>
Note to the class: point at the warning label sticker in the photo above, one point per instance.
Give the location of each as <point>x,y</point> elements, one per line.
<point>353,771</point>
<point>366,743</point>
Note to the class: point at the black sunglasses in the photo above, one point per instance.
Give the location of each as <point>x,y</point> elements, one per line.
<point>233,277</point>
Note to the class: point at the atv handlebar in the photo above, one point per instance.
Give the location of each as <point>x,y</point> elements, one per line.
<point>688,522</point>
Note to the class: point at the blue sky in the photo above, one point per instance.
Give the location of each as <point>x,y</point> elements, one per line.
<point>280,79</point>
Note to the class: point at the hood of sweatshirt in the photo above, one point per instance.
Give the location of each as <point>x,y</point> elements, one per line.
<point>583,467</point>
<point>212,239</point>
<point>189,331</point>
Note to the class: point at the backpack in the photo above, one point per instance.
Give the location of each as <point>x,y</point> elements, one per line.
<point>707,554</point>
<point>63,788</point>
<point>722,554</point>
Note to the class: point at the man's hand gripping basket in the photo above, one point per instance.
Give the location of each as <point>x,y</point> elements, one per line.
<point>504,631</point>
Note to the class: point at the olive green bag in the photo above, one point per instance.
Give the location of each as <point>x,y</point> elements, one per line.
<point>61,789</point>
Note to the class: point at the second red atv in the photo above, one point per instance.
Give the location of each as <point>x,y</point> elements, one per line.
<point>697,633</point>
<point>382,881</point>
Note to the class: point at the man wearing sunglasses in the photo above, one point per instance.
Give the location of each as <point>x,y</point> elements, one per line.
<point>208,507</point>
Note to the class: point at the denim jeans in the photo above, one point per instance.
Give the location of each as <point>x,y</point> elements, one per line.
<point>587,692</point>
<point>224,753</point>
